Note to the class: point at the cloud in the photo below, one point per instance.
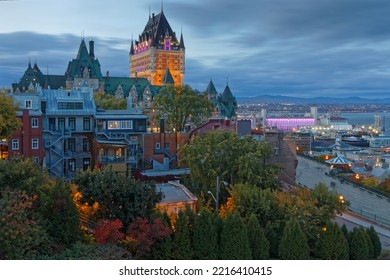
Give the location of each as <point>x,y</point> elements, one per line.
<point>301,47</point>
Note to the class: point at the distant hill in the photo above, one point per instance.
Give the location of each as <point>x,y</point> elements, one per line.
<point>312,100</point>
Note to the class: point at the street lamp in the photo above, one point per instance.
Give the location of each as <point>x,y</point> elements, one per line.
<point>216,199</point>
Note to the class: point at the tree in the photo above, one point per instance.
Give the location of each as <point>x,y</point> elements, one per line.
<point>233,158</point>
<point>180,105</point>
<point>22,230</point>
<point>23,174</point>
<point>375,241</point>
<point>182,245</point>
<point>59,210</point>
<point>118,196</point>
<point>258,242</point>
<point>109,231</point>
<point>360,244</point>
<point>205,237</point>
<point>109,102</point>
<point>248,200</point>
<point>145,234</point>
<point>293,244</point>
<point>234,239</point>
<point>8,118</point>
<point>332,244</point>
<point>85,251</point>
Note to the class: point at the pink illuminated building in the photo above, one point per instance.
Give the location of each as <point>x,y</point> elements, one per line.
<point>289,123</point>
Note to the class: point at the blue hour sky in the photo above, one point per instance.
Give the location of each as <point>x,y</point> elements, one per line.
<point>338,48</point>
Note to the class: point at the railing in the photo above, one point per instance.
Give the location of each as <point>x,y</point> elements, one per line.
<point>370,216</point>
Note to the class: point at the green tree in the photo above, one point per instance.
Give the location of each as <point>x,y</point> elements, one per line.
<point>180,105</point>
<point>249,200</point>
<point>8,118</point>
<point>376,243</point>
<point>109,102</point>
<point>234,239</point>
<point>258,242</point>
<point>118,196</point>
<point>182,249</point>
<point>233,158</point>
<point>205,237</point>
<point>360,246</point>
<point>23,174</point>
<point>22,230</point>
<point>59,210</point>
<point>293,244</point>
<point>332,244</point>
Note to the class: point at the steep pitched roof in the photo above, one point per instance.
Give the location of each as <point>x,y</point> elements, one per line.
<point>157,28</point>
<point>181,45</point>
<point>168,79</point>
<point>111,84</point>
<point>211,88</point>
<point>83,60</point>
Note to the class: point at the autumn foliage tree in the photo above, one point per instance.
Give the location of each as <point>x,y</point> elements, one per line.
<point>109,231</point>
<point>144,234</point>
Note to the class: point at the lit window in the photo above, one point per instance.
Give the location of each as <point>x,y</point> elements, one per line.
<point>15,144</point>
<point>34,144</point>
<point>113,125</point>
<point>34,122</point>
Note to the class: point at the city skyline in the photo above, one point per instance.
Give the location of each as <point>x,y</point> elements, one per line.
<point>292,48</point>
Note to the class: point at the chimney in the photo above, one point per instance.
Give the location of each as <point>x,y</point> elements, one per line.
<point>162,125</point>
<point>91,49</point>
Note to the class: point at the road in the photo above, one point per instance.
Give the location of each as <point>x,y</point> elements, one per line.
<point>368,204</point>
<point>352,221</point>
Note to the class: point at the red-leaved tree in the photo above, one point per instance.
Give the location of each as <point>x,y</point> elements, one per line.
<point>109,231</point>
<point>146,234</point>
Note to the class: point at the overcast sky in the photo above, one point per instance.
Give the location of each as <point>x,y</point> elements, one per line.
<point>261,47</point>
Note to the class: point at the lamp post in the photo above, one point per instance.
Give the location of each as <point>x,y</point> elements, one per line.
<point>216,198</point>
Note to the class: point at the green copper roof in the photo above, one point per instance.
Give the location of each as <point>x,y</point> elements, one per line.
<point>84,60</point>
<point>168,79</point>
<point>211,88</point>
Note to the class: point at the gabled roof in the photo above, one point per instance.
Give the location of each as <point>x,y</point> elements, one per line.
<point>227,95</point>
<point>168,79</point>
<point>338,160</point>
<point>111,84</point>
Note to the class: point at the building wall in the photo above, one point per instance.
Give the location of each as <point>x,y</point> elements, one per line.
<point>26,135</point>
<point>152,64</point>
<point>284,154</point>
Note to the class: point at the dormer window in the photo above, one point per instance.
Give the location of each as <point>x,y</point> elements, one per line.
<point>167,44</point>
<point>28,104</point>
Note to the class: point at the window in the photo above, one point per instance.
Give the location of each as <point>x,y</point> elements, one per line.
<point>15,144</point>
<point>72,165</point>
<point>126,124</point>
<point>87,124</point>
<point>113,125</point>
<point>70,105</point>
<point>72,123</point>
<point>72,144</point>
<point>61,123</point>
<point>28,104</point>
<point>36,160</point>
<point>85,145</point>
<point>34,122</point>
<point>157,146</point>
<point>34,144</point>
<point>86,163</point>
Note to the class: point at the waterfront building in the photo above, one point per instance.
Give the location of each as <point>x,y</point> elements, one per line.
<point>379,124</point>
<point>287,124</point>
<point>158,55</point>
<point>314,114</point>
<point>379,141</point>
